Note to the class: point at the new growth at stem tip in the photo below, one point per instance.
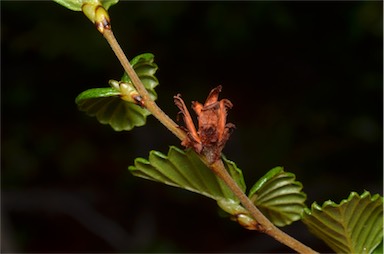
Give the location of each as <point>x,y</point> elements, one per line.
<point>98,15</point>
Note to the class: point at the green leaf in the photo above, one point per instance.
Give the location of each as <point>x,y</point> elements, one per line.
<point>184,169</point>
<point>353,226</point>
<point>145,68</point>
<point>108,3</point>
<point>114,106</point>
<point>379,249</point>
<point>75,5</point>
<point>279,197</point>
<point>109,108</point>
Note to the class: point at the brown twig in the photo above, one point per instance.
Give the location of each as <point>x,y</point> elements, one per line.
<point>217,167</point>
<point>265,225</point>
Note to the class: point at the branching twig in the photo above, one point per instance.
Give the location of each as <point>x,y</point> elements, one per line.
<point>217,167</point>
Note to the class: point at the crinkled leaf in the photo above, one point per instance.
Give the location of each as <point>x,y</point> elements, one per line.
<point>75,5</point>
<point>353,226</point>
<point>184,169</point>
<point>106,103</point>
<point>145,67</point>
<point>279,197</point>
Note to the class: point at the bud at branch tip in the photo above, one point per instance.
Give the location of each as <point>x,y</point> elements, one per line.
<point>98,15</point>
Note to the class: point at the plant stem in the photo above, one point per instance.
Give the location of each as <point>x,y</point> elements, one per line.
<point>217,167</point>
<point>265,225</point>
<point>150,105</point>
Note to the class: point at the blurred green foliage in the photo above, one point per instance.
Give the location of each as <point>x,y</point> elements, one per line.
<point>305,79</point>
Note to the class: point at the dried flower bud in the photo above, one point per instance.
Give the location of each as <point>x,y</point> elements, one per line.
<point>213,131</point>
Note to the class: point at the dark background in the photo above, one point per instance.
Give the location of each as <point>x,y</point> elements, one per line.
<point>305,79</point>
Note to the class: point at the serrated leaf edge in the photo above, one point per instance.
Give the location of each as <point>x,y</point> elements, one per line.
<point>326,231</point>
<point>219,189</point>
<point>274,201</point>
